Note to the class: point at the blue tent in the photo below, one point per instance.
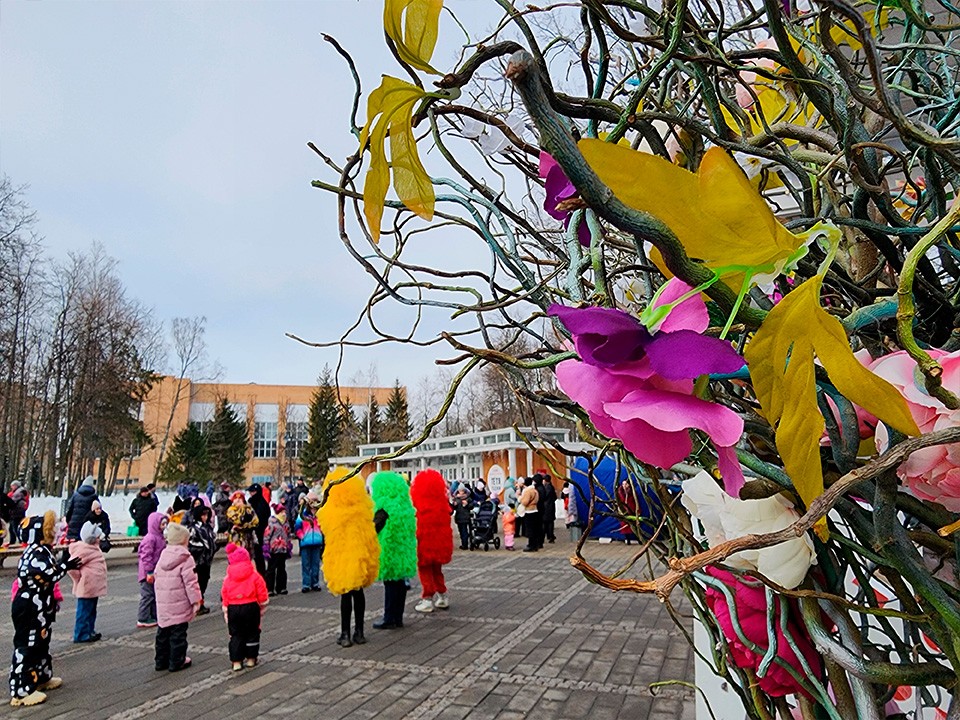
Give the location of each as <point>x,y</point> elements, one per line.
<point>605,474</point>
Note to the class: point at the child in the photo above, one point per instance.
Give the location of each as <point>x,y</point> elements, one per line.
<point>311,542</point>
<point>509,526</point>
<point>178,599</point>
<point>33,611</point>
<point>244,598</point>
<point>202,546</point>
<point>353,558</point>
<point>277,546</point>
<point>149,554</point>
<point>89,581</point>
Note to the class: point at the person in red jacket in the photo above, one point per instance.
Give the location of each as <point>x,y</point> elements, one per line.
<point>244,598</point>
<point>434,537</point>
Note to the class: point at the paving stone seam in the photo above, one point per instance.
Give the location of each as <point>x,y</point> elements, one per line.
<point>174,696</point>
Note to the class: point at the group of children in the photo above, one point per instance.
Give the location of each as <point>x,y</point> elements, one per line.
<point>401,531</point>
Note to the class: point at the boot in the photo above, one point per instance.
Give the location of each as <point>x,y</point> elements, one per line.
<point>51,684</point>
<point>34,698</point>
<point>344,640</point>
<point>358,638</point>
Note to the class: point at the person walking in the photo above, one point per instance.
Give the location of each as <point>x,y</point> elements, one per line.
<point>308,533</point>
<point>80,503</point>
<point>145,503</point>
<point>178,599</point>
<point>353,554</point>
<point>395,520</point>
<point>89,581</point>
<point>434,538</point>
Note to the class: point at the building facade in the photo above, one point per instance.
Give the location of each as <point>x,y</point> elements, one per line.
<point>492,455</point>
<point>276,417</point>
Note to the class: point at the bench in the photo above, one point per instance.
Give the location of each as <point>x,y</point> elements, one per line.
<point>116,542</point>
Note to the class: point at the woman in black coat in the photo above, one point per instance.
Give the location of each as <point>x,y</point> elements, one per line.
<point>262,511</point>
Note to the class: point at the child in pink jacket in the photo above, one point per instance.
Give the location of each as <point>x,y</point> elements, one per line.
<point>89,582</point>
<point>244,598</point>
<point>178,599</point>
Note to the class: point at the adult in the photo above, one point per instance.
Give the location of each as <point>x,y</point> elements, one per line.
<point>79,505</point>
<point>396,523</point>
<point>19,502</point>
<point>293,500</point>
<point>529,500</point>
<point>183,502</point>
<point>260,506</point>
<point>549,509</point>
<point>353,553</point>
<point>210,490</point>
<point>142,506</point>
<point>267,491</point>
<point>478,493</point>
<point>98,516</point>
<point>434,538</point>
<point>627,500</point>
<point>220,506</point>
<point>33,611</point>
<point>572,513</point>
<point>243,522</point>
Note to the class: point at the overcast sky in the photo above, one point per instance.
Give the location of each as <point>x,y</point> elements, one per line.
<point>174,133</point>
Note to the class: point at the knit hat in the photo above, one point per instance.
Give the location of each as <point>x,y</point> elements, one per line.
<point>279,508</point>
<point>95,505</point>
<point>89,481</point>
<point>237,494</point>
<point>236,554</point>
<point>90,533</point>
<point>177,534</point>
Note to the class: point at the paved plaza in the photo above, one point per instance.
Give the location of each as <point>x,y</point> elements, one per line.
<point>526,637</point>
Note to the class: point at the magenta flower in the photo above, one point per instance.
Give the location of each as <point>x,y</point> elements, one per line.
<point>559,188</point>
<point>637,385</point>
<point>750,603</point>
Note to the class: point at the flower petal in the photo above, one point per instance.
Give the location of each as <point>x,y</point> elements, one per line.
<point>603,336</point>
<point>687,354</point>
<point>691,314</point>
<point>673,412</point>
<point>730,470</point>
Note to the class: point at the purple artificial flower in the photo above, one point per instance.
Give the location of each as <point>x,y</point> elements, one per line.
<point>637,386</point>
<point>559,188</point>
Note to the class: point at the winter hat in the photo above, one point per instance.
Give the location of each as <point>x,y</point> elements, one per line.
<point>198,512</point>
<point>90,533</point>
<point>89,481</point>
<point>237,494</point>
<point>15,484</point>
<point>279,508</point>
<point>236,554</point>
<point>95,505</point>
<point>176,534</point>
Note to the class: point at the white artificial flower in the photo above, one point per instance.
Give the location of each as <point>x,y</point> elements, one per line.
<point>489,137</point>
<point>726,518</point>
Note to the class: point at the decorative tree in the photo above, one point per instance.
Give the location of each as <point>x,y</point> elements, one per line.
<point>693,330</point>
<point>228,443</point>
<point>324,427</point>
<point>396,419</point>
<point>187,459</point>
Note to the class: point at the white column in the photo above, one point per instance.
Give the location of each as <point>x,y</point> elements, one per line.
<point>529,461</point>
<point>512,463</point>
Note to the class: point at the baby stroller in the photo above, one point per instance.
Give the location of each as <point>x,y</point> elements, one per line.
<point>483,528</point>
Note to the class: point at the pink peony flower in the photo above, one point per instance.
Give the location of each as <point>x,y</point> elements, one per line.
<point>934,472</point>
<point>750,603</point>
<point>636,383</point>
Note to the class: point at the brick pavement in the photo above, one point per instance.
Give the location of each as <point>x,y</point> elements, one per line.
<point>526,637</point>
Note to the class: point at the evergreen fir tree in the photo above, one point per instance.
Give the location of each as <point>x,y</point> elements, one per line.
<point>371,424</point>
<point>186,459</point>
<point>351,436</point>
<point>396,423</point>
<point>324,428</point>
<point>227,444</point>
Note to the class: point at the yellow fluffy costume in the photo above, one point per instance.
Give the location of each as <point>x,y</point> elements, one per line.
<point>351,560</point>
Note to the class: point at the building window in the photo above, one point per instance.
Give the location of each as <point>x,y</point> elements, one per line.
<point>503,437</point>
<point>447,444</point>
<point>202,425</point>
<point>261,479</point>
<point>265,439</point>
<point>294,439</point>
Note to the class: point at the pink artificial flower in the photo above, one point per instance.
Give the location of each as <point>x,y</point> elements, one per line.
<point>749,77</point>
<point>636,383</point>
<point>750,603</point>
<point>932,473</point>
<point>559,188</point>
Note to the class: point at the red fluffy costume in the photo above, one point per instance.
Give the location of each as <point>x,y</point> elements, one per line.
<point>434,536</point>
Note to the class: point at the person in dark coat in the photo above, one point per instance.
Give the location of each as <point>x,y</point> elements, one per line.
<point>98,516</point>
<point>142,506</point>
<point>79,505</point>
<point>262,511</point>
<point>220,507</point>
<point>292,501</point>
<point>549,508</point>
<point>19,502</point>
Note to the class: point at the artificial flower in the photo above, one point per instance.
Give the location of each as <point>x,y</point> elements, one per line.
<point>558,188</point>
<point>750,605</point>
<point>726,518</point>
<point>636,381</point>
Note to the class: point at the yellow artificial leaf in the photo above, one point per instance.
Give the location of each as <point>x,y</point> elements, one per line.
<point>716,214</point>
<point>390,111</point>
<point>413,26</point>
<point>844,32</point>
<point>781,361</point>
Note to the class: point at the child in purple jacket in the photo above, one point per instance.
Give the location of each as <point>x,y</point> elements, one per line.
<point>178,599</point>
<point>149,553</point>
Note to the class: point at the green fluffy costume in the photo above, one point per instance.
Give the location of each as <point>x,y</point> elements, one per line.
<point>398,538</point>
